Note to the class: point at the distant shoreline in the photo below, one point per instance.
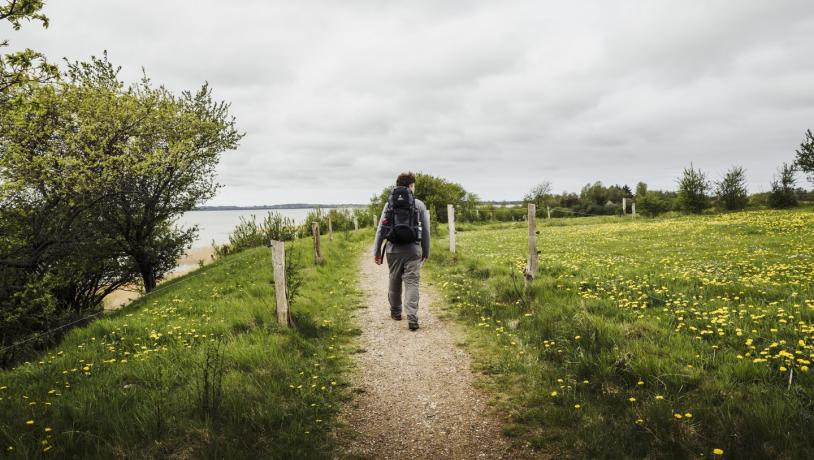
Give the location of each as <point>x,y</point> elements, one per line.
<point>279,206</point>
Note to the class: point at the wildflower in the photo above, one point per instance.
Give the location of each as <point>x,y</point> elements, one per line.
<point>678,416</point>
<point>631,399</point>
<point>659,397</point>
<point>577,406</point>
<point>554,393</point>
<point>717,451</point>
<point>29,422</point>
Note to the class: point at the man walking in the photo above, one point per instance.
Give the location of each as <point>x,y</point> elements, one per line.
<point>404,224</point>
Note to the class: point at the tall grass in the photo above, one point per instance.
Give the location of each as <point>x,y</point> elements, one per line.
<point>667,338</point>
<point>198,369</point>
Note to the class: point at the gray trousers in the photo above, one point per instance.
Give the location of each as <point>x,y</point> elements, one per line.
<point>404,268</point>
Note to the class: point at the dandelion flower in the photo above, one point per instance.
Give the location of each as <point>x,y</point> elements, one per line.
<point>577,406</point>
<point>554,393</point>
<point>631,399</point>
<point>659,397</point>
<point>29,422</point>
<point>717,451</point>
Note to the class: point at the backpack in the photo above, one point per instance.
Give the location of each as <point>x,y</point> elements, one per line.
<point>401,224</point>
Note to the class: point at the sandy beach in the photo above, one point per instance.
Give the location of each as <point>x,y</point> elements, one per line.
<point>190,261</point>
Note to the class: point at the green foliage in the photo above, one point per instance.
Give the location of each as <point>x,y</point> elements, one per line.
<point>251,234</point>
<point>437,193</point>
<point>805,156</point>
<point>654,203</point>
<point>731,190</point>
<point>692,191</point>
<point>197,369</point>
<point>540,195</point>
<point>92,177</point>
<point>783,194</point>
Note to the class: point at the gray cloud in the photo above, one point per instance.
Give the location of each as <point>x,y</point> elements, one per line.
<point>337,97</point>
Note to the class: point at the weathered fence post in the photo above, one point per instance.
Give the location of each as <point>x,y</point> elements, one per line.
<point>633,209</point>
<point>548,211</point>
<point>317,247</point>
<point>355,223</point>
<point>624,206</point>
<point>531,268</point>
<point>330,229</point>
<point>451,222</point>
<point>280,286</point>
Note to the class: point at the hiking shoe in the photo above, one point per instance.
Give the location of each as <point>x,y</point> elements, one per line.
<point>413,326</point>
<point>395,316</point>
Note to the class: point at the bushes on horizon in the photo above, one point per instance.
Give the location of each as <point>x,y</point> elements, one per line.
<point>731,189</point>
<point>692,191</point>
<point>805,156</point>
<point>783,193</point>
<point>251,234</point>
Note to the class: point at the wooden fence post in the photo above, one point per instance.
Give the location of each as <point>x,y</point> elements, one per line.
<point>531,268</point>
<point>317,247</point>
<point>355,223</point>
<point>330,229</point>
<point>451,222</point>
<point>548,212</point>
<point>624,206</point>
<point>633,208</point>
<point>280,286</point>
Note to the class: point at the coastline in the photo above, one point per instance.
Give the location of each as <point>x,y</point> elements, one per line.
<point>187,263</point>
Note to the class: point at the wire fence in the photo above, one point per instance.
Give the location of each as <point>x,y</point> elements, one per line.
<point>48,332</point>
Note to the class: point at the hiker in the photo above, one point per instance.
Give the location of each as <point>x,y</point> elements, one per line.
<point>405,225</point>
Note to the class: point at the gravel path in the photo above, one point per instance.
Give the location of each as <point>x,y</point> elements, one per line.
<point>415,397</point>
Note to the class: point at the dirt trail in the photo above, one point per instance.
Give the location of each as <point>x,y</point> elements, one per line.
<point>416,397</point>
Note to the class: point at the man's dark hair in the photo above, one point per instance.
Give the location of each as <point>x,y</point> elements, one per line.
<point>405,179</point>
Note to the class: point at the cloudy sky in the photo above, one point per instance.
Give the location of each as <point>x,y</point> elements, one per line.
<point>337,97</point>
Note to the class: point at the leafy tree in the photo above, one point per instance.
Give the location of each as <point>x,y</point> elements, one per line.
<point>540,195</point>
<point>595,193</point>
<point>692,191</point>
<point>160,159</point>
<point>641,189</point>
<point>783,194</point>
<point>20,67</point>
<point>731,189</point>
<point>436,193</point>
<point>628,193</point>
<point>805,156</point>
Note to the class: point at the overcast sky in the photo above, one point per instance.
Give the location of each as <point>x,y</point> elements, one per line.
<point>337,97</point>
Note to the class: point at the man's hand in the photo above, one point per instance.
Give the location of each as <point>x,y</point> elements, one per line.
<point>377,259</point>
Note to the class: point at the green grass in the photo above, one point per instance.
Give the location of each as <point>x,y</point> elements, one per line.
<point>132,385</point>
<point>640,323</point>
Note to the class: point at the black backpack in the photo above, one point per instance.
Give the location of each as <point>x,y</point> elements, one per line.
<point>401,224</point>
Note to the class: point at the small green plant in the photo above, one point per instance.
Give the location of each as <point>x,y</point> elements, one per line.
<point>210,385</point>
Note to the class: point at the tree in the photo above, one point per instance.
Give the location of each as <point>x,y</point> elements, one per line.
<point>692,191</point>
<point>22,66</point>
<point>783,194</point>
<point>805,156</point>
<point>731,189</point>
<point>641,189</point>
<point>540,195</point>
<point>436,193</point>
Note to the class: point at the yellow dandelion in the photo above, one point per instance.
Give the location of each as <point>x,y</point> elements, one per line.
<point>717,451</point>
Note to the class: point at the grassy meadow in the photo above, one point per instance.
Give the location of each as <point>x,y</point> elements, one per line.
<point>687,337</point>
<point>198,369</point>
